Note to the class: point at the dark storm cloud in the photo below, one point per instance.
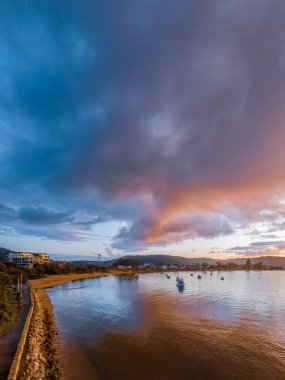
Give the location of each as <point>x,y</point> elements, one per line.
<point>43,216</point>
<point>6,213</point>
<point>34,215</point>
<point>46,223</point>
<point>153,112</point>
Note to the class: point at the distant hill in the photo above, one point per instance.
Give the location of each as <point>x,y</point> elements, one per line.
<point>169,259</point>
<point>4,254</point>
<point>275,261</point>
<point>156,260</point>
<point>271,261</point>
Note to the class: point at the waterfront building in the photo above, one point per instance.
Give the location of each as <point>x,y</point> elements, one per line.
<point>28,259</point>
<point>42,258</point>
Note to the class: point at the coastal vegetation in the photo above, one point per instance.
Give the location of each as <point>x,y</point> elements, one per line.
<point>8,310</point>
<point>127,262</point>
<point>43,270</point>
<point>233,266</point>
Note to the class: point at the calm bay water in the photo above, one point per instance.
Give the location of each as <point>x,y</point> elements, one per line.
<point>120,327</point>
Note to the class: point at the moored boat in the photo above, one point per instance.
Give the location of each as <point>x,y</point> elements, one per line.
<point>180,282</point>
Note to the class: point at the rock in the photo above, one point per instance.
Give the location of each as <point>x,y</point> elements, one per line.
<point>30,367</point>
<point>43,360</point>
<point>36,366</point>
<point>40,358</point>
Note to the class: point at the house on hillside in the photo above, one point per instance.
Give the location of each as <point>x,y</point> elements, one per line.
<point>148,265</point>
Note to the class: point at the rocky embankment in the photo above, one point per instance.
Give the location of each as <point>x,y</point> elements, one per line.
<point>39,359</point>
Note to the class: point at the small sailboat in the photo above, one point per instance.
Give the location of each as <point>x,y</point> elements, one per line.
<point>167,276</point>
<point>222,278</point>
<point>199,277</point>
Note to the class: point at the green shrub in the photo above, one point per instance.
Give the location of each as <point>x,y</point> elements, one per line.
<point>8,313</point>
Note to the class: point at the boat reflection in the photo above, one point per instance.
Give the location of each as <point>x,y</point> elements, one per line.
<point>128,277</point>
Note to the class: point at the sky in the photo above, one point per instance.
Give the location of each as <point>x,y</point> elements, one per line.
<point>143,127</point>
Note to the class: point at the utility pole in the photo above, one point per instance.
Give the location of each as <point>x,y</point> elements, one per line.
<point>19,290</point>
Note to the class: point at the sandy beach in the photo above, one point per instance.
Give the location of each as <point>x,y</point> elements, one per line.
<point>54,280</point>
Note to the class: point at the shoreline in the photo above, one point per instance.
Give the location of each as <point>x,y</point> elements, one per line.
<point>42,349</point>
